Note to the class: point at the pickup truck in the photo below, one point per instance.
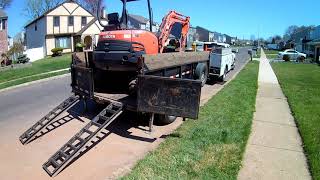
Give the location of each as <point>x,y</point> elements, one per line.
<point>222,60</point>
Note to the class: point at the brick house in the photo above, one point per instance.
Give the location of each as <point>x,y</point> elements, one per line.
<point>3,32</point>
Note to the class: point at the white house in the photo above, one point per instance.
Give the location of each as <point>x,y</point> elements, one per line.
<point>63,26</point>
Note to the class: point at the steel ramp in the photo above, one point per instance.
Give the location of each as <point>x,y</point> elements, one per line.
<point>72,148</point>
<point>27,136</point>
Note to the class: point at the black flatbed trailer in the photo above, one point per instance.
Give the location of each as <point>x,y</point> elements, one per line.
<point>166,85</point>
<point>178,68</point>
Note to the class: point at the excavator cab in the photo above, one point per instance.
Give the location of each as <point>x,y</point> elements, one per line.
<point>117,22</point>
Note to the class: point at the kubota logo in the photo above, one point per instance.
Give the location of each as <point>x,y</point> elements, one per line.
<point>109,36</point>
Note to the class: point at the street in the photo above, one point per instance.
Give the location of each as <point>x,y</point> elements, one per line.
<point>116,151</point>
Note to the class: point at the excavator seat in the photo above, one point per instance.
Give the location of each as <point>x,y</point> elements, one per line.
<point>113,22</point>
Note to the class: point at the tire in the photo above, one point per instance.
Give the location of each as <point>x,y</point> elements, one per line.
<point>301,59</point>
<point>202,73</point>
<point>223,77</point>
<point>233,66</point>
<point>164,119</point>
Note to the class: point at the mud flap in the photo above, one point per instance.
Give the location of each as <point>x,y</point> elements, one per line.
<point>174,97</point>
<point>82,81</point>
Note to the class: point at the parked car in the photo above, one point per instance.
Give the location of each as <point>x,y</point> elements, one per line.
<point>292,54</point>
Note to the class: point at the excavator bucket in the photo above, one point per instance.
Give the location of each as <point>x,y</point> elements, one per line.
<point>175,97</point>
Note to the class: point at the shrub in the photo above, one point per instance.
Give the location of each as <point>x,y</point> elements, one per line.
<point>56,52</point>
<point>79,47</point>
<point>22,58</point>
<point>301,59</point>
<point>286,57</point>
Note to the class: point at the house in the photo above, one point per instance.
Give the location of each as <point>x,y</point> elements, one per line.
<point>234,40</point>
<point>61,27</point>
<point>314,45</point>
<point>10,42</point>
<point>192,36</point>
<point>228,39</point>
<point>301,38</point>
<point>140,22</point>
<point>3,32</point>
<point>204,34</point>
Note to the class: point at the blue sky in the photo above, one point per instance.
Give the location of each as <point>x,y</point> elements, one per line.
<point>241,18</point>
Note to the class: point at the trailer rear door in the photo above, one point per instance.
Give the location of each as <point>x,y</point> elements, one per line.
<point>175,97</point>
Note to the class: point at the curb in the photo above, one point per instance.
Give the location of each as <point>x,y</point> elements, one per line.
<point>35,75</point>
<point>35,82</point>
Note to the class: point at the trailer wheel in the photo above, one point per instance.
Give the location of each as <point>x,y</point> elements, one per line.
<point>202,73</point>
<point>164,119</point>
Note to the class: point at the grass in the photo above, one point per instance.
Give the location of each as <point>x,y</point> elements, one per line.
<point>41,66</point>
<point>271,54</point>
<point>212,146</point>
<point>29,79</point>
<point>301,84</point>
<point>271,51</point>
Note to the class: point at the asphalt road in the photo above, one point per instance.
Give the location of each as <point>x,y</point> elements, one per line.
<point>123,143</point>
<point>37,99</point>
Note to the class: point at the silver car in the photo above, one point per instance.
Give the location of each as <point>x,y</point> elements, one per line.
<point>293,54</point>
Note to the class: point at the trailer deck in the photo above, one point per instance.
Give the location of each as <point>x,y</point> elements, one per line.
<point>129,102</point>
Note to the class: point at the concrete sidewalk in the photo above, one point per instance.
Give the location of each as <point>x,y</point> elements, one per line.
<point>274,150</point>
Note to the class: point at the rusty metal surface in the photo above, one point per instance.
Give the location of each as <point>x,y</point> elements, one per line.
<point>176,97</point>
<point>165,60</point>
<point>83,59</point>
<point>82,81</point>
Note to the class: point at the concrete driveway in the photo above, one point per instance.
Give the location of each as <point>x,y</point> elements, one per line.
<point>120,146</point>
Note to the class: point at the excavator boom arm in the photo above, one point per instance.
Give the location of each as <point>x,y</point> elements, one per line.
<point>166,26</point>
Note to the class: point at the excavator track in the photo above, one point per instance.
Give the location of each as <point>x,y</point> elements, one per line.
<point>27,136</point>
<point>73,147</point>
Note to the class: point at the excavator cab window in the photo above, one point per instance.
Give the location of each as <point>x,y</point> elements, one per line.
<point>113,19</point>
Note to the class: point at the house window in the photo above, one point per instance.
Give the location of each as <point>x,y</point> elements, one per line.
<point>35,27</point>
<point>56,21</point>
<point>63,42</point>
<point>83,20</point>
<point>70,21</point>
<point>2,24</point>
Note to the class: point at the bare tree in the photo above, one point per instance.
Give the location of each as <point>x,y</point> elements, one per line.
<point>295,29</point>
<point>5,3</point>
<point>91,5</point>
<point>35,8</point>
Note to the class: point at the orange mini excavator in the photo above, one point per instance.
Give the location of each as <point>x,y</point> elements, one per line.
<point>119,47</point>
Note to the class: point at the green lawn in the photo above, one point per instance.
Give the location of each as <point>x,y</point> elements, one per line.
<point>14,77</point>
<point>271,51</point>
<point>272,56</point>
<point>212,146</point>
<point>301,84</point>
<point>41,66</point>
